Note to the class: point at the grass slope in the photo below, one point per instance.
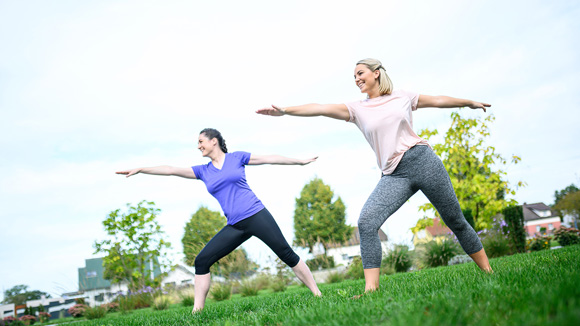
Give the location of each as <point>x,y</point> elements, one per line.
<point>540,288</point>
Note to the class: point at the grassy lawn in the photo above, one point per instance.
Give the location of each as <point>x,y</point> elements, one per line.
<point>541,288</point>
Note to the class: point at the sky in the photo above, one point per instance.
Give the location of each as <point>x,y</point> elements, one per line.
<point>88,88</point>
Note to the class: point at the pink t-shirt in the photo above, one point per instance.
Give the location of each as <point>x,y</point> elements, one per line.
<point>387,124</point>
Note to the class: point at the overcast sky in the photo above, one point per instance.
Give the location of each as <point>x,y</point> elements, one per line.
<point>88,88</point>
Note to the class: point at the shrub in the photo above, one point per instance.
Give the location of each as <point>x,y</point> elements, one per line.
<point>387,269</point>
<point>263,280</point>
<point>10,320</point>
<point>187,296</point>
<point>399,258</point>
<point>221,291</point>
<point>249,288</point>
<point>320,262</point>
<point>460,259</point>
<point>111,306</point>
<point>78,310</point>
<point>27,319</point>
<point>278,285</point>
<point>95,313</point>
<point>514,228</point>
<point>496,244</point>
<point>355,269</point>
<point>567,236</point>
<point>162,302</point>
<point>335,277</point>
<point>44,316</point>
<point>187,300</point>
<point>539,243</point>
<point>438,253</point>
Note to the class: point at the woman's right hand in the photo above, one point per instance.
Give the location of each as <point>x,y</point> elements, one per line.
<point>129,173</point>
<point>273,110</point>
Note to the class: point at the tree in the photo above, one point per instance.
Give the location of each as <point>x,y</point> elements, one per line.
<point>202,226</point>
<point>558,195</point>
<point>570,205</point>
<point>137,247</point>
<point>19,294</point>
<point>317,219</point>
<point>474,168</point>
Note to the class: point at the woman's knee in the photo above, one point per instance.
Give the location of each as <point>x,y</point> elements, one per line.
<point>201,264</point>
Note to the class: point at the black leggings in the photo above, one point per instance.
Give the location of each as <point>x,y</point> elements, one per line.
<point>261,225</point>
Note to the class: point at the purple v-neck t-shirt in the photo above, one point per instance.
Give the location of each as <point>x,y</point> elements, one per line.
<point>229,186</point>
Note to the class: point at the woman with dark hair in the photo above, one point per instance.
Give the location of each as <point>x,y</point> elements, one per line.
<point>225,179</point>
<point>407,161</point>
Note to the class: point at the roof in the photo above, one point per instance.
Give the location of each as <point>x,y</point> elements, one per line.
<point>438,228</point>
<point>531,211</point>
<point>355,239</point>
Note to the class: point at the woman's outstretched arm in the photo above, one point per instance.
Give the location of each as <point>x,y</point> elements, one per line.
<point>161,170</point>
<point>426,101</point>
<point>277,159</point>
<point>336,111</point>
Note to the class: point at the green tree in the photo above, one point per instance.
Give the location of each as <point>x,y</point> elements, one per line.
<point>317,218</point>
<point>570,205</point>
<point>202,226</point>
<point>136,243</point>
<point>475,169</point>
<point>19,294</point>
<point>558,195</point>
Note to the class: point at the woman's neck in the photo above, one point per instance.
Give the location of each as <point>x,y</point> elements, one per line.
<point>373,93</point>
<point>217,158</point>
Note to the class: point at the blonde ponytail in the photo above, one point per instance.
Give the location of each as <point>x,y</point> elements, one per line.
<point>385,83</point>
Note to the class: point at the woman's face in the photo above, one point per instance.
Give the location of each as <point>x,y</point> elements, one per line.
<point>206,145</point>
<point>365,79</point>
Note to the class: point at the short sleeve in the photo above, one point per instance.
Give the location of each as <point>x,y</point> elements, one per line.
<point>414,97</point>
<point>244,157</point>
<point>351,111</point>
<point>198,170</point>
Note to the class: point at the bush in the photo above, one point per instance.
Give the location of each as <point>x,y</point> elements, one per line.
<point>249,288</point>
<point>162,302</point>
<point>567,236</point>
<point>111,306</point>
<point>460,259</point>
<point>399,258</point>
<point>221,291</point>
<point>355,269</point>
<point>27,320</point>
<point>514,228</point>
<point>320,262</point>
<point>78,310</point>
<point>263,280</point>
<point>438,253</point>
<point>10,320</point>
<point>95,313</point>
<point>187,300</point>
<point>496,244</point>
<point>44,316</point>
<point>335,277</point>
<point>539,243</point>
<point>278,285</point>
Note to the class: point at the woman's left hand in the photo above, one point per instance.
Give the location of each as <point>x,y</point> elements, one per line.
<point>479,105</point>
<point>308,161</point>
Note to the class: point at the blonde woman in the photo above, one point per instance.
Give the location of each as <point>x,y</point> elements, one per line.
<point>407,162</point>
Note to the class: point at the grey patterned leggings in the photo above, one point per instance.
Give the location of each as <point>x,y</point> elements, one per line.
<point>419,169</point>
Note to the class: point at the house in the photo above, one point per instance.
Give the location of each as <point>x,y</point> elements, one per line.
<point>343,253</point>
<point>437,231</point>
<point>179,276</point>
<point>539,218</point>
<point>98,290</point>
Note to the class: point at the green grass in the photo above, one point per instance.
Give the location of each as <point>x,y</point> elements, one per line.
<point>540,288</point>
